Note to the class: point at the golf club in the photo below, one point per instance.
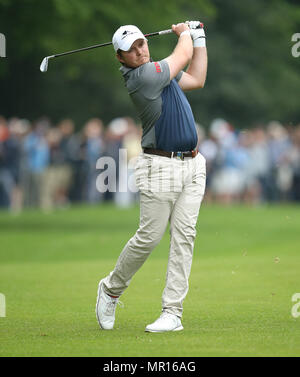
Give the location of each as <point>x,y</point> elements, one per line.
<point>44,64</point>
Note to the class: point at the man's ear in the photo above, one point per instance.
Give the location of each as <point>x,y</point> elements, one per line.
<point>119,57</point>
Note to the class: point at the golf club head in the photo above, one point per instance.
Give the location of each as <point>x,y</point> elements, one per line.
<point>44,64</point>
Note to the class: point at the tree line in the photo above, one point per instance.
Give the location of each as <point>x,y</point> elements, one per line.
<point>252,75</point>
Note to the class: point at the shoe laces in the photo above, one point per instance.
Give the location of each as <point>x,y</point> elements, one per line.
<point>168,315</point>
<point>112,304</point>
<point>165,314</point>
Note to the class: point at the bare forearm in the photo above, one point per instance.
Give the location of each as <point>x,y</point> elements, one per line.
<point>184,47</point>
<point>198,66</point>
<point>183,51</point>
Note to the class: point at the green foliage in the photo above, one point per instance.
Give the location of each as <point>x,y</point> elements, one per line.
<point>252,75</point>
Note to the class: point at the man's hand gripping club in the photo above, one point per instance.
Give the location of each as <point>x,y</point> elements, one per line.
<point>197,33</point>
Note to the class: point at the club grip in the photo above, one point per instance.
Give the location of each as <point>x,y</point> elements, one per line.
<point>166,32</point>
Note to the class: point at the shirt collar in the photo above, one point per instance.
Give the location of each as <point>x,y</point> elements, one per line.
<point>125,70</point>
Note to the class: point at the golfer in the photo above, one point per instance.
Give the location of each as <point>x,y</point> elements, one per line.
<point>170,173</point>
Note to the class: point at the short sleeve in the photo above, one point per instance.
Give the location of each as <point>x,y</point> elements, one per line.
<point>153,77</point>
<point>178,76</point>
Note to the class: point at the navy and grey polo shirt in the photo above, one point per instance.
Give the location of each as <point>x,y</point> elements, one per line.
<point>166,115</point>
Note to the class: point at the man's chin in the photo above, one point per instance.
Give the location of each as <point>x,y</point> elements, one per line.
<point>141,62</point>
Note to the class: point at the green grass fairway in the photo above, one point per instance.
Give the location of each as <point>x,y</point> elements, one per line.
<point>246,269</point>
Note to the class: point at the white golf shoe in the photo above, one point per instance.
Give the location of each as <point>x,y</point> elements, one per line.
<point>166,322</point>
<point>105,308</point>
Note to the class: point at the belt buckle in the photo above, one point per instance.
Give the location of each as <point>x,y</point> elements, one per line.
<point>179,156</point>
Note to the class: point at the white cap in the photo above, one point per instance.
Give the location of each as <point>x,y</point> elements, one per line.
<point>125,36</point>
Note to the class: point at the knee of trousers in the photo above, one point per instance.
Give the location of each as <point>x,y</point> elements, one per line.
<point>146,240</point>
<point>185,234</point>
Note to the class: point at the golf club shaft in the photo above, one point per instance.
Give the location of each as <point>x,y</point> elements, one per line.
<point>44,64</point>
<point>108,43</point>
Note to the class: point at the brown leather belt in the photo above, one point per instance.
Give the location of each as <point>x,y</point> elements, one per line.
<point>180,155</point>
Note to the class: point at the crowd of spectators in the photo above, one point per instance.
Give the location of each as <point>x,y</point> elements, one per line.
<point>50,166</point>
<point>256,165</point>
<point>47,166</point>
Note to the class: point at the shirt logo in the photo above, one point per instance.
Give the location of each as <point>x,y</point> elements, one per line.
<point>157,66</point>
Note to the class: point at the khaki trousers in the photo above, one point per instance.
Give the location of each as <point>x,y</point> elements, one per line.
<point>171,190</point>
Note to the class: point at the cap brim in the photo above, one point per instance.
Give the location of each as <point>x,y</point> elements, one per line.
<point>130,40</point>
